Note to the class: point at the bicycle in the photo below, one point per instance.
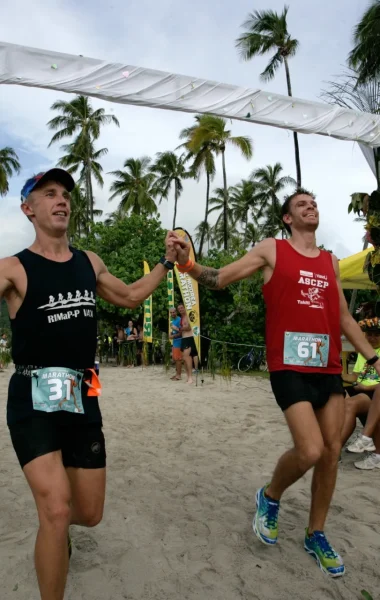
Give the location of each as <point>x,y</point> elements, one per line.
<point>255,359</point>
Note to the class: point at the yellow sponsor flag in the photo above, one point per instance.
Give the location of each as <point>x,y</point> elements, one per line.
<point>170,281</point>
<point>148,314</point>
<point>190,293</point>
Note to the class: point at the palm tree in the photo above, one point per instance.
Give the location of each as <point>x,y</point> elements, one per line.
<point>349,92</point>
<point>114,218</point>
<point>217,235</point>
<point>9,165</point>
<point>267,31</point>
<point>244,203</point>
<point>79,118</point>
<point>271,185</point>
<point>253,234</point>
<point>202,234</point>
<point>217,202</point>
<point>203,161</point>
<point>357,93</point>
<point>365,56</point>
<point>170,169</point>
<point>137,187</point>
<point>212,129</point>
<point>79,213</point>
<point>76,158</point>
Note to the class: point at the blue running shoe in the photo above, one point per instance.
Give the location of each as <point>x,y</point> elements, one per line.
<point>327,559</point>
<point>265,521</point>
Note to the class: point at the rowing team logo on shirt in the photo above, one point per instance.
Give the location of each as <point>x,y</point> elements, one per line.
<point>70,301</point>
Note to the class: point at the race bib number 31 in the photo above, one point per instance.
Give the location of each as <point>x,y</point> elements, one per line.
<point>55,389</point>
<point>306,349</point>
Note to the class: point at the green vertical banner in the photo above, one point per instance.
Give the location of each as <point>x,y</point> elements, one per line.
<point>148,313</point>
<point>170,281</point>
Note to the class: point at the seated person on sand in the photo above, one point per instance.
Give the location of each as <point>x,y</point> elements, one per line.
<point>361,396</point>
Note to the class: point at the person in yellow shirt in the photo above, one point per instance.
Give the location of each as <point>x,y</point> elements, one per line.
<point>365,381</point>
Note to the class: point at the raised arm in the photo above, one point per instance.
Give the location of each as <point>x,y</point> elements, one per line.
<point>115,291</point>
<point>216,279</point>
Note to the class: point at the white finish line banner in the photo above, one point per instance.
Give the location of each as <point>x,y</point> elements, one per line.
<point>128,84</point>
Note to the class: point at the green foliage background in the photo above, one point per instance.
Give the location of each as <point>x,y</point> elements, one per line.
<point>4,318</point>
<point>123,247</point>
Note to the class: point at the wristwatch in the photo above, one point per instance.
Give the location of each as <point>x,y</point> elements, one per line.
<point>373,360</point>
<point>167,264</point>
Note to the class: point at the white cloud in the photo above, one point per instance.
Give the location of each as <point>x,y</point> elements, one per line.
<point>197,39</point>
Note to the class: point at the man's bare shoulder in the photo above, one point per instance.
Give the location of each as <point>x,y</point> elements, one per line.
<point>266,245</point>
<point>97,263</point>
<point>335,262</point>
<point>8,265</point>
<point>9,269</point>
<point>266,249</point>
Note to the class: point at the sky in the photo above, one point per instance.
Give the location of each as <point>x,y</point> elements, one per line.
<point>195,39</point>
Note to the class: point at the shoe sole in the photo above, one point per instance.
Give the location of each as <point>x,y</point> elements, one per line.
<point>366,468</point>
<point>369,449</point>
<point>316,558</point>
<point>254,525</point>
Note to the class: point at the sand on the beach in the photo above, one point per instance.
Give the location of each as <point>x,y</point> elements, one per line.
<point>184,463</point>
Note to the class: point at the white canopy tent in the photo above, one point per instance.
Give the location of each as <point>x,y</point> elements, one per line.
<point>127,84</point>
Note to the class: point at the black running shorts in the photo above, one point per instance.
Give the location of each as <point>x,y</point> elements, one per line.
<point>188,342</point>
<point>82,444</point>
<point>290,387</point>
<point>351,391</point>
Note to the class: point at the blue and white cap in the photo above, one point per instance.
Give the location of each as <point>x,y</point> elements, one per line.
<point>55,174</point>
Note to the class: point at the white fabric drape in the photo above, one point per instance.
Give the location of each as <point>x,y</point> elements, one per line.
<point>127,84</point>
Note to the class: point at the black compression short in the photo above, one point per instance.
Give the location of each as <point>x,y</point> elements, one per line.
<point>188,342</point>
<point>290,387</point>
<point>82,444</point>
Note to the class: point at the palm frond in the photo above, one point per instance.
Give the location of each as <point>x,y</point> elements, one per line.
<point>271,68</point>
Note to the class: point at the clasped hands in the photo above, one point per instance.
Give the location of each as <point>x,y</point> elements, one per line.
<point>177,250</point>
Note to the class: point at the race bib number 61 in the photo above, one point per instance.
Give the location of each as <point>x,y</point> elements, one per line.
<point>306,349</point>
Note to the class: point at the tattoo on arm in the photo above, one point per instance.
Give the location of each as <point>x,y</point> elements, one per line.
<point>209,278</point>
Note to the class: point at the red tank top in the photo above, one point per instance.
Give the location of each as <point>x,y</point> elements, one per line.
<point>302,296</point>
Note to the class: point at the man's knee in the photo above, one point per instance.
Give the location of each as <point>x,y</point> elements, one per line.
<point>310,455</point>
<point>350,403</point>
<point>55,512</point>
<point>91,518</point>
<point>333,449</point>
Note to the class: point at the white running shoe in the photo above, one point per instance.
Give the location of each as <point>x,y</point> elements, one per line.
<point>372,461</point>
<point>360,445</point>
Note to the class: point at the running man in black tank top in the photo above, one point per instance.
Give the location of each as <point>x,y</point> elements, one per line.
<point>55,425</point>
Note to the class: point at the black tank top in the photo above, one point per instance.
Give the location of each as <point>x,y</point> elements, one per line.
<point>56,325</point>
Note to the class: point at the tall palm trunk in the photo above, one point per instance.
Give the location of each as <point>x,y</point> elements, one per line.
<point>355,292</point>
<point>225,204</point>
<point>91,194</point>
<point>273,232</point>
<point>88,192</point>
<point>245,229</point>
<point>376,153</point>
<point>295,135</point>
<point>203,232</point>
<point>175,202</point>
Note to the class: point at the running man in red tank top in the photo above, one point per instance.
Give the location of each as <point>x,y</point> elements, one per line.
<point>306,313</point>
